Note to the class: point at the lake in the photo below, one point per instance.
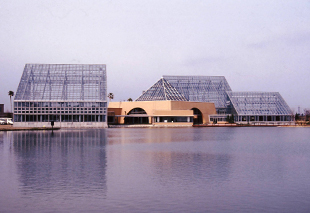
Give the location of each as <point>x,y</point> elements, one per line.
<point>220,169</point>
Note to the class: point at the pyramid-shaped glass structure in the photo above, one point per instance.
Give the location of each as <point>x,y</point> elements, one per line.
<point>201,88</point>
<point>258,103</point>
<point>189,88</point>
<point>161,90</point>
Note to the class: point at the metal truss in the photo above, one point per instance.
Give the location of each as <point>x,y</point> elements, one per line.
<point>201,88</point>
<point>258,103</point>
<point>161,90</point>
<point>189,88</point>
<point>215,89</point>
<point>74,82</point>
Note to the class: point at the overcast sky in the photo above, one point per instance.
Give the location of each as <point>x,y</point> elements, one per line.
<point>261,45</point>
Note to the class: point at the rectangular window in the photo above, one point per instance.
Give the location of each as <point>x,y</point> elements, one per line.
<point>17,118</point>
<point>75,118</point>
<point>44,118</point>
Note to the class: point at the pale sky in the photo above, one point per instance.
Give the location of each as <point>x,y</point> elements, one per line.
<point>258,45</point>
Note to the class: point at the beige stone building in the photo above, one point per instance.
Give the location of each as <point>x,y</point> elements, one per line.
<point>183,113</point>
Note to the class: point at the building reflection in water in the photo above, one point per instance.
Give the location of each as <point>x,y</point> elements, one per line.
<point>191,167</point>
<point>179,155</point>
<point>72,161</point>
<point>1,138</point>
<point>195,158</point>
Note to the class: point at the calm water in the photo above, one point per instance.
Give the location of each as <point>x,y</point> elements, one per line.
<point>156,170</point>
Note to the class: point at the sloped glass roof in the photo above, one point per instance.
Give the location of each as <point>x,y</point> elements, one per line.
<point>189,88</point>
<point>161,90</point>
<point>258,103</point>
<point>63,82</point>
<point>201,88</point>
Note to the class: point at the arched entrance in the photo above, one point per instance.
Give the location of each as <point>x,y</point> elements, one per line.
<point>136,116</point>
<point>197,116</point>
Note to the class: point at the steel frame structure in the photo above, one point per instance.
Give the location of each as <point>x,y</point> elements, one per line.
<point>259,106</point>
<point>246,106</point>
<point>161,90</point>
<point>201,88</point>
<point>189,88</point>
<point>62,92</point>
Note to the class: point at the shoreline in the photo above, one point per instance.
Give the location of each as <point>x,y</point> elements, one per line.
<point>12,128</point>
<point>199,126</point>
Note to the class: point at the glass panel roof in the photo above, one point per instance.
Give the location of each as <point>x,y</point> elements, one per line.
<point>161,90</point>
<point>189,88</point>
<point>258,103</point>
<point>63,82</point>
<point>201,88</point>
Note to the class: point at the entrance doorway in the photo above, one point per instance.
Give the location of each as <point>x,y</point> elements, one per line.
<point>197,116</point>
<point>137,116</point>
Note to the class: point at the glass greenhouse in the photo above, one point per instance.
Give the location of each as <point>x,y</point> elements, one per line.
<point>190,88</point>
<point>71,94</point>
<point>245,106</point>
<point>161,90</point>
<point>259,106</point>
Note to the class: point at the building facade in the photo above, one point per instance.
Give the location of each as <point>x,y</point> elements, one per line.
<point>245,107</point>
<point>1,109</point>
<point>160,113</point>
<point>190,88</point>
<point>259,107</point>
<point>71,95</point>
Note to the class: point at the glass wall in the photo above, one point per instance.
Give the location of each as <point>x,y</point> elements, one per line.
<point>62,93</point>
<point>172,119</point>
<point>60,111</point>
